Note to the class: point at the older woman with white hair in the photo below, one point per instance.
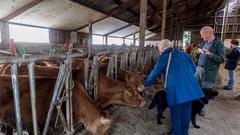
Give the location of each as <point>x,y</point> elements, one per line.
<point>180,85</point>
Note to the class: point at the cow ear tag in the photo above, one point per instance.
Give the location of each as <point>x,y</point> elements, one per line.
<point>129,94</point>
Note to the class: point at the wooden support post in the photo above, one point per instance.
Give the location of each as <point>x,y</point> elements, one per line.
<point>124,40</point>
<point>143,14</point>
<point>90,39</point>
<point>115,65</point>
<point>178,29</point>
<point>175,34</point>
<point>106,40</point>
<point>164,19</point>
<point>171,24</point>
<point>134,39</point>
<point>5,36</point>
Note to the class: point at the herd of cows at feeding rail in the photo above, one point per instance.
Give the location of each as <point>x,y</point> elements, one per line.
<point>121,106</point>
<point>124,90</point>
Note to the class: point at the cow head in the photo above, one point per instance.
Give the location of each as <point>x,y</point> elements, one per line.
<point>136,79</point>
<point>132,98</point>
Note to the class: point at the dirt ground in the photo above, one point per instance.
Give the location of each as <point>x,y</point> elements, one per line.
<point>222,117</point>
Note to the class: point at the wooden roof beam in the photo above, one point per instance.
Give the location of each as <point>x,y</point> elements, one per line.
<point>120,3</point>
<point>128,25</point>
<point>153,7</point>
<point>131,34</point>
<point>21,10</point>
<point>86,25</point>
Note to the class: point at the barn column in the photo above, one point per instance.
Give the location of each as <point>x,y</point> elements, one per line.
<point>134,39</point>
<point>106,40</point>
<point>143,14</point>
<point>124,40</point>
<point>5,35</point>
<point>90,39</point>
<point>164,19</point>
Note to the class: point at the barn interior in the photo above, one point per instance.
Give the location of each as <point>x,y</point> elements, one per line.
<point>78,66</point>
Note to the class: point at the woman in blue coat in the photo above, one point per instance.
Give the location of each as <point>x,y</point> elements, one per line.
<point>182,88</point>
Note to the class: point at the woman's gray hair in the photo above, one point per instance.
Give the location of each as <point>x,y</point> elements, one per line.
<point>165,43</point>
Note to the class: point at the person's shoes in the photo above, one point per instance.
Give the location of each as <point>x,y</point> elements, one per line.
<point>227,88</point>
<point>237,98</point>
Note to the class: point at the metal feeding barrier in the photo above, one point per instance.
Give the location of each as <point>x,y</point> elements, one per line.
<point>63,75</point>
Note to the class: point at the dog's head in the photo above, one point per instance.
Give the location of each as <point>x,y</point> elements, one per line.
<point>210,93</point>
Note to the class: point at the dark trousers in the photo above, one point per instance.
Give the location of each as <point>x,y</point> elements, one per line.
<point>180,118</point>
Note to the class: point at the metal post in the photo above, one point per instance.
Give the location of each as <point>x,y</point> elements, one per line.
<point>68,85</point>
<point>90,39</point>
<point>133,60</point>
<point>110,67</point>
<point>146,60</point>
<point>115,65</point>
<point>126,60</point>
<point>71,102</point>
<point>56,93</point>
<point>16,98</point>
<point>122,64</point>
<point>139,56</point>
<point>86,64</point>
<point>33,96</point>
<point>95,93</point>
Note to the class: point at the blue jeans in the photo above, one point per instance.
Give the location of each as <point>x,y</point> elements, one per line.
<point>232,79</point>
<point>199,75</point>
<point>180,118</point>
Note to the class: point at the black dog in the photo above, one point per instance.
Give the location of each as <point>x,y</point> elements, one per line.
<point>197,105</point>
<point>160,99</point>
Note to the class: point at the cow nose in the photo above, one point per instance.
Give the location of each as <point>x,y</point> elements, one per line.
<point>141,88</point>
<point>142,104</point>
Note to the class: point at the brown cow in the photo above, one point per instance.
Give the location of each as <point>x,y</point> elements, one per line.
<point>132,77</point>
<point>84,109</point>
<point>110,91</point>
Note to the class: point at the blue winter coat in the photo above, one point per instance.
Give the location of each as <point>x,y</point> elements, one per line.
<point>181,85</point>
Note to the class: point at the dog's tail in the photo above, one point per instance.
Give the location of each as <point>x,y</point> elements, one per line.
<point>154,102</point>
